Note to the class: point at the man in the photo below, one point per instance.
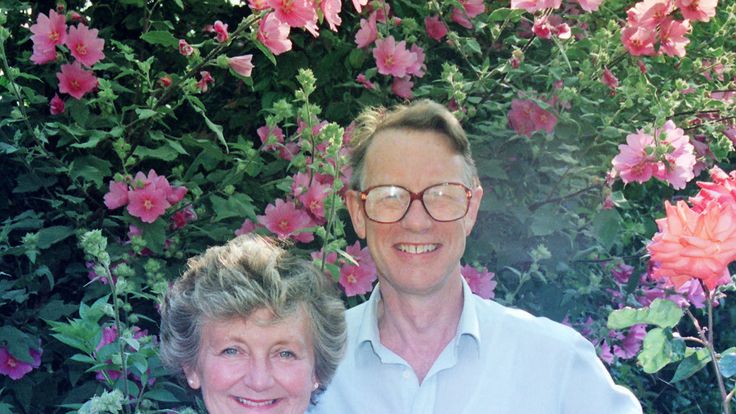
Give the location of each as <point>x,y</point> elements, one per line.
<point>423,343</point>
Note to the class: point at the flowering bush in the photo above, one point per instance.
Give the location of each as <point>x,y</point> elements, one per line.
<point>172,126</point>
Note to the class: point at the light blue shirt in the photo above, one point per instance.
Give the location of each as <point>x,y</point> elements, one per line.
<point>501,361</point>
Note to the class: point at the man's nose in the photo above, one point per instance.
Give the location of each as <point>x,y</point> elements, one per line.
<point>416,218</point>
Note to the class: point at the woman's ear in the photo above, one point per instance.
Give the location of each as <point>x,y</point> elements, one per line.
<point>192,377</point>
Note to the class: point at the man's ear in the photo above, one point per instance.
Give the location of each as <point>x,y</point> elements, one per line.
<point>355,208</point>
<point>473,209</point>
<point>192,377</point>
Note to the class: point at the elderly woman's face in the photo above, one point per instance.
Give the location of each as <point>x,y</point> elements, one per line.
<point>256,365</point>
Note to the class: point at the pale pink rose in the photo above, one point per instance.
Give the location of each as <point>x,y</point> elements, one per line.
<point>694,245</point>
<point>435,27</point>
<point>248,226</point>
<point>590,5</point>
<point>242,65</point>
<point>635,161</point>
<point>117,196</point>
<point>331,11</point>
<point>75,81</point>
<point>185,49</point>
<point>295,13</point>
<point>367,33</point>
<point>639,40</point>
<point>220,30</point>
<point>392,58</point>
<point>480,281</point>
<point>700,10</point>
<point>285,220</point>
<point>274,34</point>
<point>56,105</point>
<point>48,32</point>
<point>401,87</point>
<point>672,40</point>
<point>84,45</point>
<point>204,81</point>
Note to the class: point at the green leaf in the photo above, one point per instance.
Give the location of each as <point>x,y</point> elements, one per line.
<point>656,351</point>
<point>90,168</point>
<point>695,360</point>
<point>145,113</point>
<point>502,14</point>
<point>160,37</point>
<point>217,129</point>
<point>607,227</point>
<point>237,205</point>
<point>160,394</point>
<point>663,313</point>
<point>155,235</point>
<point>727,363</point>
<point>164,152</point>
<point>52,235</point>
<point>546,220</point>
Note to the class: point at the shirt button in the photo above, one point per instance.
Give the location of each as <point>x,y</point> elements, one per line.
<point>406,374</point>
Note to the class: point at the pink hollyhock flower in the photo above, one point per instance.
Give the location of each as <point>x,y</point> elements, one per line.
<point>680,161</point>
<point>470,9</point>
<point>722,190</point>
<point>730,133</point>
<point>622,272</point>
<point>672,40</point>
<point>331,10</point>
<point>367,33</point>
<point>435,27</point>
<point>480,281</point>
<point>361,255</point>
<point>220,30</point>
<point>203,83</point>
<point>526,117</point>
<point>42,56</point>
<point>604,353</point>
<point>700,10</point>
<point>56,105</point>
<point>117,196</point>
<point>535,5</point>
<point>358,4</point>
<point>361,79</point>
<point>639,40</point>
<point>147,203</point>
<point>48,31</point>
<point>590,5</point>
<point>542,29</point>
<point>701,152</point>
<point>75,81</point>
<point>84,45</point>
<point>248,226</point>
<point>289,150</point>
<point>285,220</point>
<point>609,79</point>
<point>258,5</point>
<point>401,87</point>
<point>417,69</point>
<point>295,13</point>
<point>635,161</point>
<point>649,13</point>
<point>16,369</point>
<point>356,280</point>
<point>274,34</point>
<point>314,200</point>
<point>165,81</point>
<point>241,64</point>
<point>270,138</point>
<point>183,217</point>
<point>392,58</point>
<point>631,343</point>
<point>185,48</point>
<point>109,335</point>
<point>694,245</point>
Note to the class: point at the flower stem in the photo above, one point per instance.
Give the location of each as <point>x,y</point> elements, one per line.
<point>121,344</point>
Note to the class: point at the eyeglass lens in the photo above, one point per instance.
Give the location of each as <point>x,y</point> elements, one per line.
<point>443,202</point>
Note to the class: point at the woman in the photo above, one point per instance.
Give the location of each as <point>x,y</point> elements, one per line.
<point>253,327</point>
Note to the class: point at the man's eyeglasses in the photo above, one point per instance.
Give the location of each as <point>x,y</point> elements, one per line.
<point>390,203</point>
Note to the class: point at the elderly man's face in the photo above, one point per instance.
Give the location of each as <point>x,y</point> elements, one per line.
<point>416,255</point>
<point>254,365</point>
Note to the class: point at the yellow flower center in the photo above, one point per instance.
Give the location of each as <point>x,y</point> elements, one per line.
<point>147,204</point>
<point>75,84</point>
<point>81,49</point>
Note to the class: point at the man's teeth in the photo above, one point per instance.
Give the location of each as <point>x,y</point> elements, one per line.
<point>254,403</point>
<point>416,249</point>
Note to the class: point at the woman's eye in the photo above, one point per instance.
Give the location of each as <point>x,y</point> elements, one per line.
<point>287,355</point>
<point>230,351</point>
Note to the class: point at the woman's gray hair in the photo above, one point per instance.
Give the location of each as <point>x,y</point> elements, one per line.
<point>247,274</point>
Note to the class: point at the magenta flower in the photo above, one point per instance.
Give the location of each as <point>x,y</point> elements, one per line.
<point>367,33</point>
<point>609,79</point>
<point>470,9</point>
<point>631,343</point>
<point>185,48</point>
<point>220,29</point>
<point>274,34</point>
<point>392,58</point>
<point>401,87</point>
<point>417,69</point>
<point>295,13</point>
<point>241,64</point>
<point>361,79</point>
<point>526,117</point>
<point>248,226</point>
<point>635,161</point>
<point>48,32</point>
<point>183,217</point>
<point>270,137</point>
<point>481,282</point>
<point>314,200</point>
<point>285,220</point>
<point>356,280</point>
<point>147,203</point>
<point>16,369</point>
<point>435,27</point>
<point>203,83</point>
<point>117,196</point>
<point>75,81</point>
<point>56,105</point>
<point>331,11</point>
<point>84,45</point>
<point>42,56</point>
